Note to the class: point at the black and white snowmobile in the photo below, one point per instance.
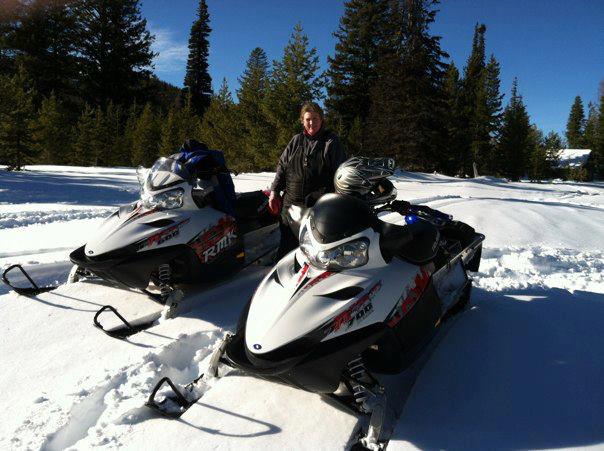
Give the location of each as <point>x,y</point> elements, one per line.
<point>188,227</point>
<point>359,298</point>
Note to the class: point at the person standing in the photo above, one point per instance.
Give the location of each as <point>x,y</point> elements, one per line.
<point>304,172</point>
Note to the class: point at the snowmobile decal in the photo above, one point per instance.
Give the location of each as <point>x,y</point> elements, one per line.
<point>357,311</point>
<point>409,297</point>
<point>302,273</point>
<point>135,215</point>
<point>162,236</point>
<point>316,280</point>
<point>211,242</point>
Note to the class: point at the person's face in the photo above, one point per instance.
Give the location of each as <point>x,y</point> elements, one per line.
<point>311,122</point>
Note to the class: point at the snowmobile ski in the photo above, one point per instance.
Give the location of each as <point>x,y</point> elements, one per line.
<point>127,329</point>
<point>26,291</point>
<point>176,403</point>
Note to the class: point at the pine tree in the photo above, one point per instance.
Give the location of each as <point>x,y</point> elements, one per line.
<point>52,133</point>
<point>17,115</point>
<point>353,69</point>
<point>552,144</point>
<point>198,82</point>
<point>170,133</point>
<point>258,134</point>
<point>591,127</point>
<point>538,164</point>
<point>188,121</point>
<point>99,146</point>
<point>9,17</point>
<point>475,97</point>
<point>408,100</point>
<point>575,127</point>
<point>220,129</point>
<point>455,149</point>
<point>598,157</point>
<point>515,142</point>
<point>115,50</point>
<point>84,135</point>
<point>113,126</point>
<point>45,39</point>
<point>294,80</point>
<point>493,115</point>
<point>481,106</point>
<point>145,139</point>
<point>127,137</point>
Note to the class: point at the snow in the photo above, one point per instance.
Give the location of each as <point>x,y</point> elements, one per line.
<point>573,158</point>
<point>521,369</point>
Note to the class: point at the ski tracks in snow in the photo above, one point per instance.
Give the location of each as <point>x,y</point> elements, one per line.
<point>99,413</point>
<point>26,218</point>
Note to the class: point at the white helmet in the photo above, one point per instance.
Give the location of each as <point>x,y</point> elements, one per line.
<point>366,178</point>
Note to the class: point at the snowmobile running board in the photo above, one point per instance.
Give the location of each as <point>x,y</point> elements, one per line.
<point>121,332</point>
<point>30,291</point>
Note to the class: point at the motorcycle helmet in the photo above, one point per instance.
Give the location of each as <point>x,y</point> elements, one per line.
<point>366,179</point>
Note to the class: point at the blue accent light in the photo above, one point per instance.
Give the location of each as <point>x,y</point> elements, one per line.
<point>410,219</point>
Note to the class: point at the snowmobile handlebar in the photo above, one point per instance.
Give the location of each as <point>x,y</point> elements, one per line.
<point>404,208</point>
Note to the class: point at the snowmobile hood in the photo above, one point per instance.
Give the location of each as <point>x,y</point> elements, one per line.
<point>289,304</point>
<point>296,300</point>
<point>136,228</point>
<point>141,228</point>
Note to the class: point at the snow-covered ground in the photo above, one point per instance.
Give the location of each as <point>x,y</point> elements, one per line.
<point>523,368</point>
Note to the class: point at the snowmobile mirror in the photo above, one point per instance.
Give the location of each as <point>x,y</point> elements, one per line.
<point>385,163</point>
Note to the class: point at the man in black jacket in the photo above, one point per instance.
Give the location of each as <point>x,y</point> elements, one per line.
<point>304,172</point>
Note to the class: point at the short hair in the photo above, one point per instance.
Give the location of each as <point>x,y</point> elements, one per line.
<point>311,107</point>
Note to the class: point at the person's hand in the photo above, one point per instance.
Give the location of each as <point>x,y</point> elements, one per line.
<point>274,203</point>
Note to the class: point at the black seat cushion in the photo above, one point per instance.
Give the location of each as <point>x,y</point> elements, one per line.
<point>416,243</point>
<point>250,205</point>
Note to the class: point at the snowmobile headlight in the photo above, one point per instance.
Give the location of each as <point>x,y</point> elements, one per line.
<point>168,200</point>
<point>345,256</point>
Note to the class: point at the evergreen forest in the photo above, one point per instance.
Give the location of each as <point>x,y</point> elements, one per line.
<point>77,88</point>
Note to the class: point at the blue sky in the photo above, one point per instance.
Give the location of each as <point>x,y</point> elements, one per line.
<point>554,47</point>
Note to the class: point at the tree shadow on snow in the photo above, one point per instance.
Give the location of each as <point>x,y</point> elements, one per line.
<point>22,187</point>
<point>520,370</point>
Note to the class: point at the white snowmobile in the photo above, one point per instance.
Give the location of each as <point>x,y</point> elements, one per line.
<point>182,230</point>
<point>360,297</point>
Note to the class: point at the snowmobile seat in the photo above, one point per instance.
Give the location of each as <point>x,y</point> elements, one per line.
<point>416,243</point>
<point>250,205</point>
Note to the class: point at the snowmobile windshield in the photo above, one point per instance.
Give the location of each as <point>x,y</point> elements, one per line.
<point>337,216</point>
<point>166,172</point>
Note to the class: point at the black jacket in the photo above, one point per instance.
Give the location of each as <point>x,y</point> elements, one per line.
<point>306,167</point>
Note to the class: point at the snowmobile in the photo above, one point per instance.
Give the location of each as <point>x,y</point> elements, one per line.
<point>188,227</point>
<point>359,297</point>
